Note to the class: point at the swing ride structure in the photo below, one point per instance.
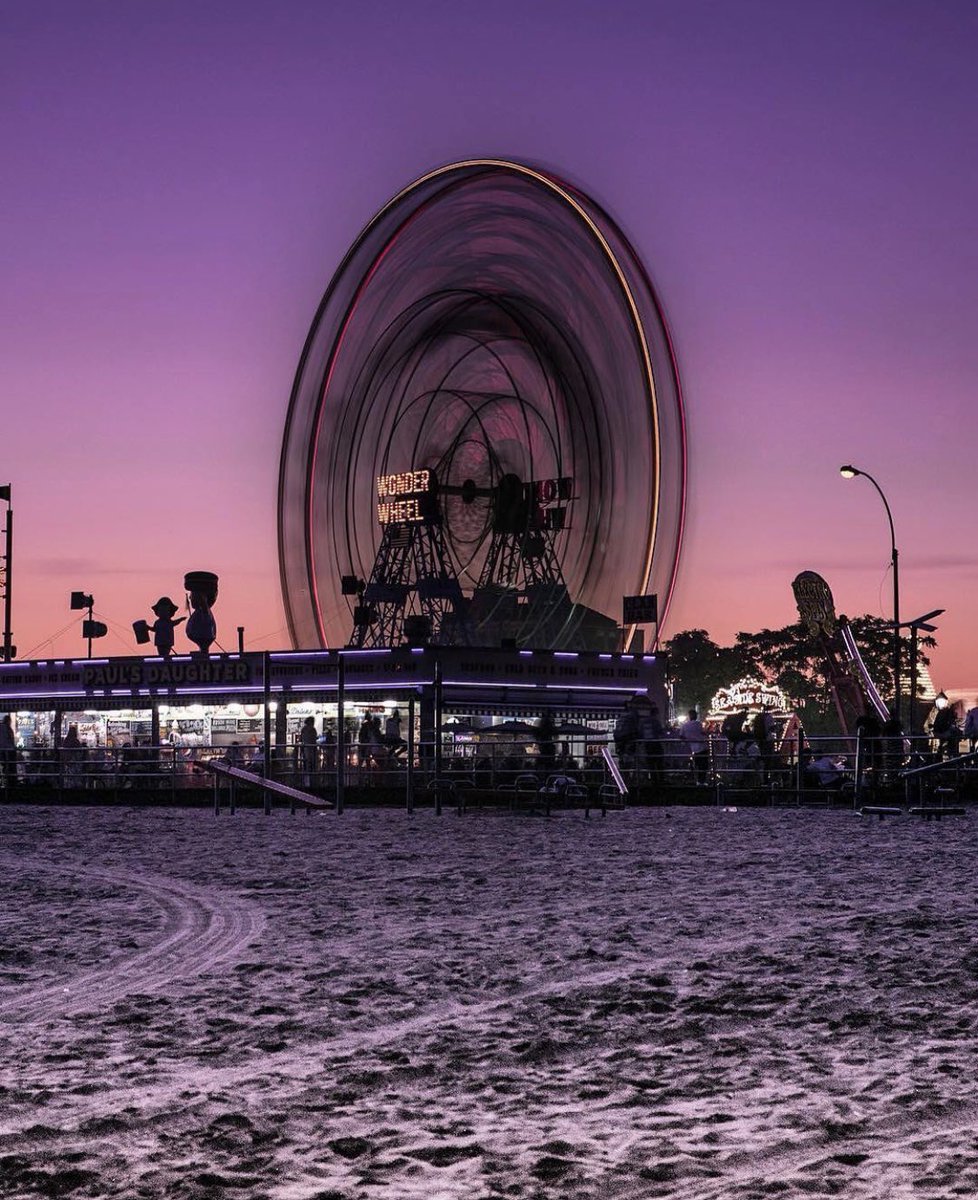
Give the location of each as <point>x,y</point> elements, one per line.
<point>486,441</point>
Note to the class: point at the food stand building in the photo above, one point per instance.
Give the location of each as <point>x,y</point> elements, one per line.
<point>197,707</point>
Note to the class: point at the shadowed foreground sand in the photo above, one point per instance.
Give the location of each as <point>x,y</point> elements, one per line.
<point>682,1003</point>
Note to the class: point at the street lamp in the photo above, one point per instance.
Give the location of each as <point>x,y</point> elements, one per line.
<point>850,472</point>
<point>8,651</point>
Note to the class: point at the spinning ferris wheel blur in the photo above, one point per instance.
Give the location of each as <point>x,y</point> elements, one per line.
<point>492,327</point>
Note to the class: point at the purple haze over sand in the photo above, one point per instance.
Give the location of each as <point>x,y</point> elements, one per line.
<point>180,184</point>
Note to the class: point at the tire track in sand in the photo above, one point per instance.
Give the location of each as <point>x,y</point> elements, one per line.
<point>202,929</point>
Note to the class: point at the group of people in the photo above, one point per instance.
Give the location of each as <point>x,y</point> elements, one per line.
<point>948,731</point>
<point>639,737</point>
<point>644,745</point>
<point>379,743</point>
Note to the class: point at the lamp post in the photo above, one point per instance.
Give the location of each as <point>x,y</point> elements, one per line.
<point>8,650</point>
<point>850,472</point>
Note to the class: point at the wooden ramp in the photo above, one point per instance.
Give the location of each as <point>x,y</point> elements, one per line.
<point>269,787</point>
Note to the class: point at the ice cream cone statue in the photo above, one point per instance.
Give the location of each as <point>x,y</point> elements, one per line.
<point>201,587</point>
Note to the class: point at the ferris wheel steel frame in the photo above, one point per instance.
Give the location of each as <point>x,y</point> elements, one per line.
<point>337,353</point>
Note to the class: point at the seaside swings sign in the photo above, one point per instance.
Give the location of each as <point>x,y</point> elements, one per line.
<point>751,694</point>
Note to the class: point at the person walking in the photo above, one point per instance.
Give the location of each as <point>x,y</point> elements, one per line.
<point>694,736</point>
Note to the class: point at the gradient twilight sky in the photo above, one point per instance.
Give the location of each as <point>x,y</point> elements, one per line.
<point>180,181</point>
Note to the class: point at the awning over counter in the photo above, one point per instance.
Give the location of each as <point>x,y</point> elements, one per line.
<point>520,682</point>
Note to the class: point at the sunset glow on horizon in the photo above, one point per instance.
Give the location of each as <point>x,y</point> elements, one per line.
<point>182,182</point>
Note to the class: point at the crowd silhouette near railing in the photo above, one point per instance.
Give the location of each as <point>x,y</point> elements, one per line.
<point>684,765</point>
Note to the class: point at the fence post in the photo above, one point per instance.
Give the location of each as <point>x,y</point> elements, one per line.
<point>859,768</point>
<point>59,762</point>
<point>409,784</point>
<point>340,734</point>
<point>266,731</point>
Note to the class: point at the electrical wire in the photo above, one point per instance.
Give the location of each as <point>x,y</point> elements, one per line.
<point>64,629</point>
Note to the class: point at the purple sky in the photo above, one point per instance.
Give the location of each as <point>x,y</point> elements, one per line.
<point>181,180</point>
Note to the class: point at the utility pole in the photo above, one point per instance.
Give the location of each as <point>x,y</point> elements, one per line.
<point>9,650</point>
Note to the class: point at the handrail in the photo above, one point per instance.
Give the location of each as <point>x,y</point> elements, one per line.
<point>929,768</point>
<point>268,785</point>
<point>616,774</point>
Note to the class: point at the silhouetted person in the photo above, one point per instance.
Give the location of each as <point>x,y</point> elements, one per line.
<point>762,728</point>
<point>733,729</point>
<point>651,733</point>
<point>73,752</point>
<point>945,730</point>
<point>377,741</point>
<point>327,741</point>
<point>308,749</point>
<point>8,751</point>
<point>869,731</point>
<point>363,741</point>
<point>626,734</point>
<point>971,727</point>
<point>826,771</point>
<point>893,742</point>
<point>546,743</point>
<point>694,735</point>
<point>392,733</point>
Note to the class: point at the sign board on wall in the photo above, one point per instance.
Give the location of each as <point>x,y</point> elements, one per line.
<point>640,610</point>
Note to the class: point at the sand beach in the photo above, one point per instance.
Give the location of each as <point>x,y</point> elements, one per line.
<point>664,1003</point>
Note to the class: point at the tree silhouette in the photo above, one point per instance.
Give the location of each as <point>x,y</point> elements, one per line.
<point>786,657</point>
<point>698,668</point>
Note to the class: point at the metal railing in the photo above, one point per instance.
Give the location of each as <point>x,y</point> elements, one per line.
<point>830,770</point>
<point>150,772</point>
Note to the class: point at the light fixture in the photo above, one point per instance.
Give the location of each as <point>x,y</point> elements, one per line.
<point>850,472</point>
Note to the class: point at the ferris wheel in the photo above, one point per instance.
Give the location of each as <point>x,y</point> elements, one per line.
<point>492,330</point>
